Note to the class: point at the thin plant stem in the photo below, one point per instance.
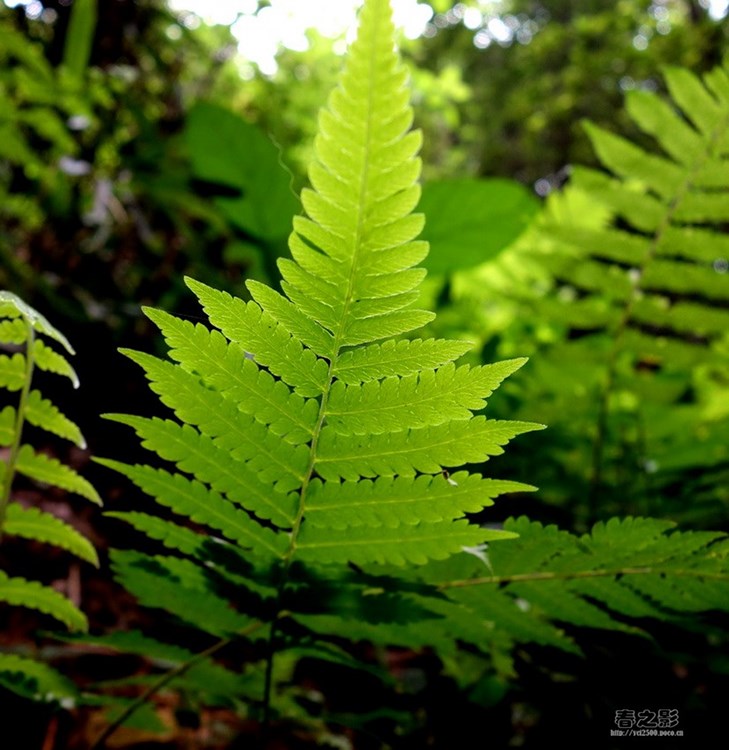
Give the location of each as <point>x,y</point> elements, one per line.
<point>167,677</point>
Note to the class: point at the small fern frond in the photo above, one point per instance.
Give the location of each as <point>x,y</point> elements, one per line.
<point>428,450</point>
<point>40,412</point>
<point>195,501</point>
<point>50,471</point>
<point>31,523</point>
<point>50,360</point>
<point>33,595</point>
<point>639,304</point>
<point>36,681</point>
<point>12,307</point>
<point>155,585</point>
<point>202,457</point>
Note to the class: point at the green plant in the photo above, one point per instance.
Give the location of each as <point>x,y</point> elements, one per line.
<point>633,377</point>
<point>312,447</point>
<point>19,326</point>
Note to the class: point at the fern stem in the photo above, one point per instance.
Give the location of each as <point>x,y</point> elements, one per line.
<point>19,422</point>
<point>567,576</point>
<point>166,678</point>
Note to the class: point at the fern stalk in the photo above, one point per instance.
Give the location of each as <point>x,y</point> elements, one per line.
<point>166,678</point>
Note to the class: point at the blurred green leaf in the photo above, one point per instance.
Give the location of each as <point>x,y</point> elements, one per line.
<point>470,221</point>
<point>227,150</point>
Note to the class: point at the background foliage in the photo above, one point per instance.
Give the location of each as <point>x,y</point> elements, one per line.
<point>112,189</point>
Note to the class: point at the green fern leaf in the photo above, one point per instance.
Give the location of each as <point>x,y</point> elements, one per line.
<point>51,361</point>
<point>8,420</point>
<point>393,358</point>
<point>192,499</point>
<point>426,450</point>
<point>12,371</point>
<point>42,413</point>
<point>416,543</point>
<point>631,568</point>
<point>394,501</point>
<point>265,339</point>
<point>50,471</point>
<point>172,535</point>
<point>13,331</point>
<point>22,593</point>
<point>155,586</point>
<point>291,392</point>
<point>32,523</point>
<point>242,435</point>
<point>11,306</point>
<point>199,455</point>
<point>429,398</point>
<point>226,368</point>
<point>36,681</point>
<point>640,302</point>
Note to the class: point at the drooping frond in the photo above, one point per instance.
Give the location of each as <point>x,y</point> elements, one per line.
<point>622,574</point>
<point>623,571</point>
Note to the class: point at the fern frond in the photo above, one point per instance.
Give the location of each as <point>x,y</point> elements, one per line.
<point>155,585</point>
<point>390,501</point>
<point>633,568</point>
<point>200,456</point>
<point>51,361</point>
<point>425,399</point>
<point>292,392</point>
<point>48,470</point>
<point>639,302</point>
<point>427,450</point>
<point>40,412</point>
<point>32,523</point>
<point>193,500</point>
<point>18,328</point>
<point>33,595</point>
<point>37,681</point>
<point>225,367</point>
<point>11,306</point>
<point>12,371</point>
